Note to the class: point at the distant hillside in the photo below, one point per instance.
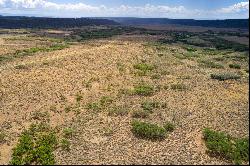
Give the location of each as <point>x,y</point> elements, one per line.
<point>42,22</point>
<point>230,23</point>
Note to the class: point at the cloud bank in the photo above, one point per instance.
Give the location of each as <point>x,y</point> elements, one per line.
<point>48,8</point>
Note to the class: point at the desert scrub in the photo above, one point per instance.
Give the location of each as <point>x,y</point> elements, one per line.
<point>41,116</point>
<point>31,51</point>
<point>106,100</point>
<point>93,106</point>
<point>21,67</point>
<point>68,132</point>
<point>140,114</point>
<point>2,137</point>
<point>150,105</point>
<point>143,90</point>
<point>156,76</point>
<point>65,144</point>
<point>121,67</point>
<point>169,127</point>
<point>235,66</point>
<point>179,87</point>
<point>143,68</point>
<point>118,111</point>
<point>222,145</point>
<point>148,130</point>
<point>78,97</point>
<point>225,76</point>
<point>35,146</point>
<point>211,64</point>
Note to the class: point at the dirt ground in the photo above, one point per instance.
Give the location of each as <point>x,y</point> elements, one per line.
<point>50,82</point>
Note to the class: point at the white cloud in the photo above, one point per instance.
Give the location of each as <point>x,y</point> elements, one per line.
<point>148,10</point>
<point>236,8</point>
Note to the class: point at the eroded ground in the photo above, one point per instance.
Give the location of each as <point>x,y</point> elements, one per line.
<point>46,86</point>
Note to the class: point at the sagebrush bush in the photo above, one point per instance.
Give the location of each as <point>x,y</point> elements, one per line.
<point>148,130</point>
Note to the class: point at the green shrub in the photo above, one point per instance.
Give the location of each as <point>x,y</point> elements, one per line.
<point>225,76</point>
<point>144,90</point>
<point>222,145</point>
<point>169,126</point>
<point>235,66</point>
<point>35,146</point>
<point>148,131</point>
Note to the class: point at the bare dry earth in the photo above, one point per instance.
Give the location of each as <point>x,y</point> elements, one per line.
<point>53,79</point>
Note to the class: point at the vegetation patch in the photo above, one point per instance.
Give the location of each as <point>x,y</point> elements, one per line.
<point>225,76</point>
<point>148,130</point>
<point>35,147</point>
<point>118,111</point>
<point>179,87</point>
<point>235,66</point>
<point>211,64</point>
<point>144,68</point>
<point>21,67</point>
<point>65,144</point>
<point>143,90</point>
<point>93,106</point>
<point>140,114</point>
<point>105,101</point>
<point>222,145</point>
<point>68,132</point>
<point>2,137</point>
<point>34,50</point>
<point>169,127</point>
<point>150,106</point>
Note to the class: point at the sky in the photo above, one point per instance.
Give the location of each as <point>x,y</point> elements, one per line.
<point>184,9</point>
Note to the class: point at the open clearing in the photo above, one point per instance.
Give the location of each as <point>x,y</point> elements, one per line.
<point>77,87</point>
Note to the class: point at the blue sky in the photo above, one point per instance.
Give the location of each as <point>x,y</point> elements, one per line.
<point>196,9</point>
